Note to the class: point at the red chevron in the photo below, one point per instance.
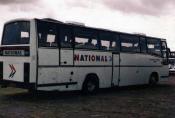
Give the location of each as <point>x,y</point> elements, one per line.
<point>13,70</point>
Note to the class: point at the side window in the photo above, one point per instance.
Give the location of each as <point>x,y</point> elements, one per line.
<point>143,45</point>
<point>85,39</point>
<point>129,43</point>
<point>109,41</point>
<point>66,40</point>
<point>47,36</point>
<point>154,46</point>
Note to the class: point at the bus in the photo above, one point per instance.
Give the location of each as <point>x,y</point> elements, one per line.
<point>172,62</point>
<point>50,55</point>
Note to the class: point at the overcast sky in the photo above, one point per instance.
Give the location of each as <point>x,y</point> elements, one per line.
<point>151,17</point>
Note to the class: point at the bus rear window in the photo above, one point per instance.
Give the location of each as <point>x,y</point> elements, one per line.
<point>16,33</point>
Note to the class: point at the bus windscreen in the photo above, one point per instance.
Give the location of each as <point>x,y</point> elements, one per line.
<point>16,33</point>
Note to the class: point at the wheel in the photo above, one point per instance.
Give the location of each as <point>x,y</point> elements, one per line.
<point>153,80</point>
<point>91,85</point>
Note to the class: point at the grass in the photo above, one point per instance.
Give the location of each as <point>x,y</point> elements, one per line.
<point>135,101</point>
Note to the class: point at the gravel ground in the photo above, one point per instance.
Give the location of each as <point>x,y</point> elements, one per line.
<point>125,102</point>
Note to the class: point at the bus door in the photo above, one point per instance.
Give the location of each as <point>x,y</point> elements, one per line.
<point>115,46</point>
<point>110,42</point>
<point>165,61</point>
<point>116,69</point>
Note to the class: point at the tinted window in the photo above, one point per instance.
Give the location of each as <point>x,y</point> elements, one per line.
<point>85,39</point>
<point>16,33</point>
<point>154,46</point>
<point>66,37</point>
<point>143,45</point>
<point>47,36</point>
<point>109,41</point>
<point>130,43</point>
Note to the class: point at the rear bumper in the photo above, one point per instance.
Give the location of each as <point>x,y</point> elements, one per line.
<point>7,83</point>
<point>164,79</point>
<point>172,72</point>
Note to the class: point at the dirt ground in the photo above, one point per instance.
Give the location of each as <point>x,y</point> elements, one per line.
<point>124,102</point>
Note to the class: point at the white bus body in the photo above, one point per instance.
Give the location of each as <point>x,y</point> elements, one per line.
<point>49,55</point>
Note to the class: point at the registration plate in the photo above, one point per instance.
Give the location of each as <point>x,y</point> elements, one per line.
<point>13,52</point>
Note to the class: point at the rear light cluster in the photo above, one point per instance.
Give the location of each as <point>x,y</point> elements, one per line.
<point>1,70</point>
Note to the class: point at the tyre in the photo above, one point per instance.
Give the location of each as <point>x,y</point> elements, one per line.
<point>153,79</point>
<point>90,85</point>
<point>31,91</point>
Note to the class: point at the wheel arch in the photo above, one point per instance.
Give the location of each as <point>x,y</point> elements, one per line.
<point>156,74</point>
<point>96,78</point>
